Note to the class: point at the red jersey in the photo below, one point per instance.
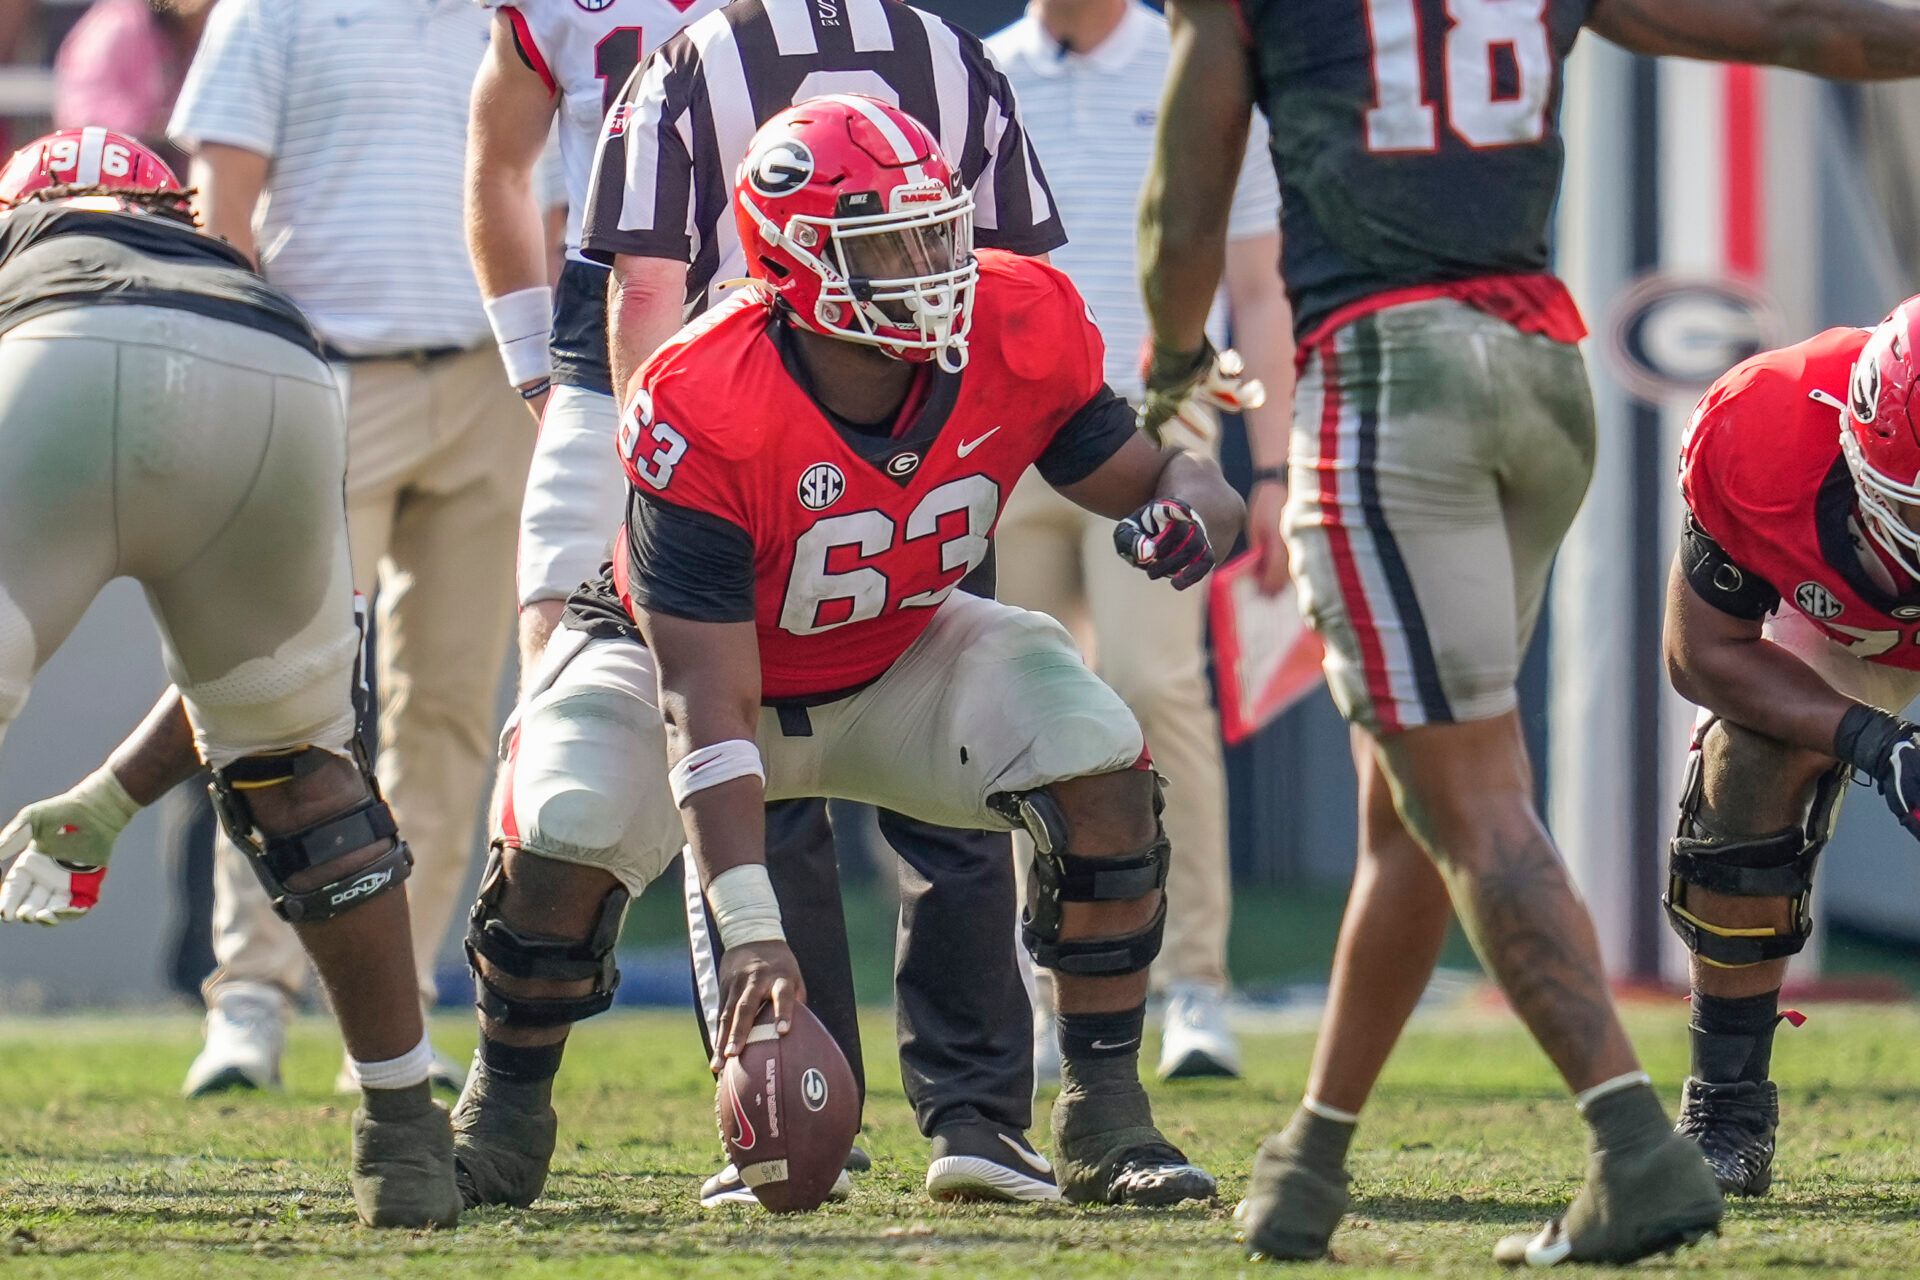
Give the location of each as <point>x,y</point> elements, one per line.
<point>1763,475</point>
<point>751,501</point>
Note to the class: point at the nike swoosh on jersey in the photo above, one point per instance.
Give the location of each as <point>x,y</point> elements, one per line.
<point>1034,1160</point>
<point>966,447</point>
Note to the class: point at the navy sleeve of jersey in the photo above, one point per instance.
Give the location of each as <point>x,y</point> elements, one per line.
<point>1716,578</point>
<point>687,563</point>
<point>1083,444</point>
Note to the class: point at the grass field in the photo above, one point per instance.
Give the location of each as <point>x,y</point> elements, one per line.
<point>105,1173</point>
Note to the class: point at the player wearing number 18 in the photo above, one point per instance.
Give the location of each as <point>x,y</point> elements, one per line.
<point>1443,438</point>
<point>815,464</point>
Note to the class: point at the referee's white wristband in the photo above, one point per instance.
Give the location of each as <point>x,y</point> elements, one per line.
<point>521,321</point>
<point>710,766</point>
<point>744,908</point>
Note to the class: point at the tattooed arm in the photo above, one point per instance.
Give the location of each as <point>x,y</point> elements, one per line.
<point>1840,39</point>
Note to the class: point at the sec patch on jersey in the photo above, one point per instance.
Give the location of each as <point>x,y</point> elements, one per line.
<point>788,1112</point>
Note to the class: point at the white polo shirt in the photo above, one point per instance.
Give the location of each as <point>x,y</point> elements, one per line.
<point>362,107</point>
<point>1091,117</point>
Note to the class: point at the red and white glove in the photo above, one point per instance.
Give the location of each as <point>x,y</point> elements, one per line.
<point>60,848</point>
<point>1167,539</point>
<point>1191,387</point>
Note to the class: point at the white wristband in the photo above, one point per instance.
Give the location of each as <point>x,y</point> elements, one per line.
<point>521,322</point>
<point>705,767</point>
<point>744,908</point>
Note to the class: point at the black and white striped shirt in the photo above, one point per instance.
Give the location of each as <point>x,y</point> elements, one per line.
<point>663,176</point>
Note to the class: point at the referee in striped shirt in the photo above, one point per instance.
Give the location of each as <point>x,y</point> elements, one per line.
<point>659,214</point>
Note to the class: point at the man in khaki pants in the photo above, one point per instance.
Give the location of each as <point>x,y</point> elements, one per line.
<point>348,194</point>
<point>1088,73</point>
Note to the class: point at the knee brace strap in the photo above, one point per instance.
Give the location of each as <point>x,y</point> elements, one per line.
<point>1060,875</point>
<point>278,858</point>
<point>1096,957</point>
<point>534,957</point>
<point>1779,865</point>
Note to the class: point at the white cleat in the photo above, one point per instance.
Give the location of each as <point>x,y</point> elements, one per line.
<point>1195,1040</point>
<point>246,1032</point>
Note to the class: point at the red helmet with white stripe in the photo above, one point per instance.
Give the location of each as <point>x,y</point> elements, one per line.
<point>850,214</point>
<point>1880,435</point>
<point>90,157</point>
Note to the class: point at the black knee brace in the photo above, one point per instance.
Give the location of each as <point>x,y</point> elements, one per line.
<point>533,957</point>
<point>278,858</point>
<point>1060,876</point>
<point>1771,866</point>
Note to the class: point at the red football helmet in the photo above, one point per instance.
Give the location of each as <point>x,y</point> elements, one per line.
<point>89,157</point>
<point>849,212</point>
<point>1881,437</point>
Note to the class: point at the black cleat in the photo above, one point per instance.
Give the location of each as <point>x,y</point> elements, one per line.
<point>978,1160</point>
<point>1734,1125</point>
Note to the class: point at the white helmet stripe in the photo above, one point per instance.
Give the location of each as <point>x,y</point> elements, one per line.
<point>904,152</point>
<point>93,141</point>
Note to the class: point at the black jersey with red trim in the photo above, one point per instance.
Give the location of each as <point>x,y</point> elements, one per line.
<point>1763,477</point>
<point>750,502</point>
<point>1417,141</point>
<point>99,252</point>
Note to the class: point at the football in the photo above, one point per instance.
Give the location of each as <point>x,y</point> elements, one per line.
<point>788,1112</point>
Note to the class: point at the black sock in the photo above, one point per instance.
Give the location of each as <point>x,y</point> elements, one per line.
<point>1733,1037</point>
<point>1087,1037</point>
<point>527,1063</point>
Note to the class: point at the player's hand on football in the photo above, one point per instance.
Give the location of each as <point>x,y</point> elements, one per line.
<point>754,975</point>
<point>1191,386</point>
<point>59,849</point>
<point>1167,539</point>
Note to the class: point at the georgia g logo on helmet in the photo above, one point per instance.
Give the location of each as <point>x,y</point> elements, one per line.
<point>1863,389</point>
<point>780,167</point>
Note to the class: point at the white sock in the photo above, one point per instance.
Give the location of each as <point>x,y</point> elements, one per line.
<point>1326,1112</point>
<point>1587,1097</point>
<point>408,1069</point>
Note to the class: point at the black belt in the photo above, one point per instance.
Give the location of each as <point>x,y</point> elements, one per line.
<point>418,355</point>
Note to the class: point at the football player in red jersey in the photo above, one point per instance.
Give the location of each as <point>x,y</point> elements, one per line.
<point>1419,153</point>
<point>1793,620</point>
<point>814,465</point>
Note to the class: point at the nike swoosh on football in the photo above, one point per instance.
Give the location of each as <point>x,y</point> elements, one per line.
<point>1117,1044</point>
<point>1034,1160</point>
<point>966,447</point>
